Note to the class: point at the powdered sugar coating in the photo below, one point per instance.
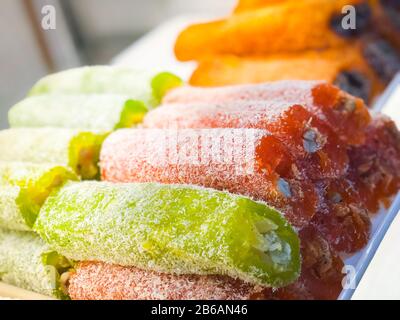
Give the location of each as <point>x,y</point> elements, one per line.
<point>89,111</point>
<point>101,281</point>
<point>176,156</point>
<point>322,156</point>
<point>23,187</point>
<point>22,264</point>
<point>293,91</point>
<point>172,229</point>
<point>346,115</point>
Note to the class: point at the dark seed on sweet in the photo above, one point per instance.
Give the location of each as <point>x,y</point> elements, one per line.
<point>284,188</point>
<point>336,197</point>
<point>312,141</point>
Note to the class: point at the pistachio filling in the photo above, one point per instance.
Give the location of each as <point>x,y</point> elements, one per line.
<point>61,269</point>
<point>272,249</point>
<point>32,197</point>
<point>132,113</point>
<point>84,154</point>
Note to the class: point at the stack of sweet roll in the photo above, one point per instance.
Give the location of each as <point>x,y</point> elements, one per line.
<point>354,44</point>
<point>237,192</point>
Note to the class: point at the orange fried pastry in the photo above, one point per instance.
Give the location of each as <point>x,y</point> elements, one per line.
<point>101,281</point>
<point>346,115</point>
<point>246,5</point>
<point>289,27</point>
<point>243,161</point>
<point>375,165</point>
<point>345,67</point>
<point>317,150</point>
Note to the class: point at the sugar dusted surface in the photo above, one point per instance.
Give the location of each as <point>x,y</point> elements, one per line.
<point>148,155</point>
<point>90,111</point>
<point>100,281</point>
<point>165,228</point>
<point>21,262</point>
<point>294,91</point>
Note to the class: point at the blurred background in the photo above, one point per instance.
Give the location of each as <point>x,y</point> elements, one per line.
<point>87,32</point>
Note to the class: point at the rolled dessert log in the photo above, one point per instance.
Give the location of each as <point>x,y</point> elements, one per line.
<point>375,165</point>
<point>28,263</point>
<point>317,150</point>
<point>69,147</point>
<point>136,84</point>
<point>23,189</point>
<point>103,112</point>
<point>345,114</point>
<point>171,229</point>
<point>343,217</point>
<point>345,67</point>
<point>267,31</point>
<point>249,162</point>
<point>321,278</point>
<point>101,281</point>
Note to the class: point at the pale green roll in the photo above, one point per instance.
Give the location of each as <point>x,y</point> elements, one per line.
<point>23,189</point>
<point>28,263</point>
<point>172,229</point>
<point>74,148</point>
<point>136,84</point>
<point>104,112</point>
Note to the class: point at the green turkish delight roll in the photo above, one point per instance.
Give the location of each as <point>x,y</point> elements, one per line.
<point>23,189</point>
<point>77,149</point>
<point>28,263</point>
<point>136,84</point>
<point>172,229</point>
<point>91,112</point>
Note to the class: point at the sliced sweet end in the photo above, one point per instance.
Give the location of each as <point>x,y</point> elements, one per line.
<point>346,115</point>
<point>316,147</point>
<point>343,220</point>
<point>35,192</point>
<point>375,166</point>
<point>84,152</point>
<point>300,200</point>
<point>274,257</point>
<point>60,268</point>
<point>162,83</point>
<point>132,113</point>
<point>321,276</point>
<point>272,156</point>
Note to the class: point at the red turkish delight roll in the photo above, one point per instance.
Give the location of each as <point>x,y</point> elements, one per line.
<point>317,149</point>
<point>101,281</point>
<point>321,278</point>
<point>345,114</point>
<point>250,162</point>
<point>375,165</point>
<point>342,217</point>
